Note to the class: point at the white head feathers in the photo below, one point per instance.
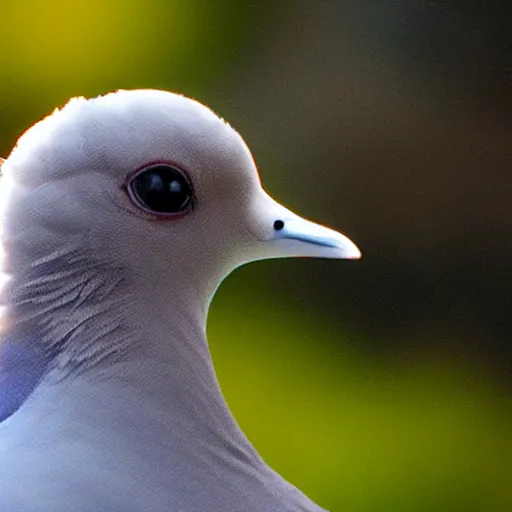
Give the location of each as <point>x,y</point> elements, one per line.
<point>71,222</point>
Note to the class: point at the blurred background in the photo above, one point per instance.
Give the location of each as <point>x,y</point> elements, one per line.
<point>383,384</point>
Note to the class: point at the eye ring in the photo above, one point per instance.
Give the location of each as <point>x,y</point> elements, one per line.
<point>162,189</point>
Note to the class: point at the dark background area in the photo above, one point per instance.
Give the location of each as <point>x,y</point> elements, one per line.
<point>382,384</point>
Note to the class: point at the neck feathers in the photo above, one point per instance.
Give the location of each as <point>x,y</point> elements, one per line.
<point>73,307</point>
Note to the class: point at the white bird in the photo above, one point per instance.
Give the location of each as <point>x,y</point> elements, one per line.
<point>121,215</point>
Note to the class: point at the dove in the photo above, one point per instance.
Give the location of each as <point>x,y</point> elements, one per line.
<point>120,217</point>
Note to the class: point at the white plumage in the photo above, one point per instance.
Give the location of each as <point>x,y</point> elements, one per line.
<point>121,215</point>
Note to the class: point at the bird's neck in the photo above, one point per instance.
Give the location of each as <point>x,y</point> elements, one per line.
<point>170,366</point>
<point>154,398</point>
<point>126,344</point>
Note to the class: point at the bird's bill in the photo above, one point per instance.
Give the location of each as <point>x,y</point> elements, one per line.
<point>289,235</point>
<point>314,238</point>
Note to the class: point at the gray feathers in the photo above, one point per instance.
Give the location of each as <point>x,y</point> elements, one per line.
<point>108,394</point>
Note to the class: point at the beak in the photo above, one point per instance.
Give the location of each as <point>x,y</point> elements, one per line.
<point>285,234</point>
<point>315,239</point>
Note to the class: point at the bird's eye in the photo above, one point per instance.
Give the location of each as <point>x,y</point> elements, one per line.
<point>161,189</point>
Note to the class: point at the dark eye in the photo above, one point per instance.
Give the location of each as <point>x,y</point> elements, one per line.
<point>161,189</point>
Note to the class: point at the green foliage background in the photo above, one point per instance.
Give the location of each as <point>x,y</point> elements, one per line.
<point>373,385</point>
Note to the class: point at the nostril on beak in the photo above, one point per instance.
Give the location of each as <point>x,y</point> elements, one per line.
<point>278,225</point>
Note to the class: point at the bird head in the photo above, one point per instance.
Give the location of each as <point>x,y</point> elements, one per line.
<point>150,184</point>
